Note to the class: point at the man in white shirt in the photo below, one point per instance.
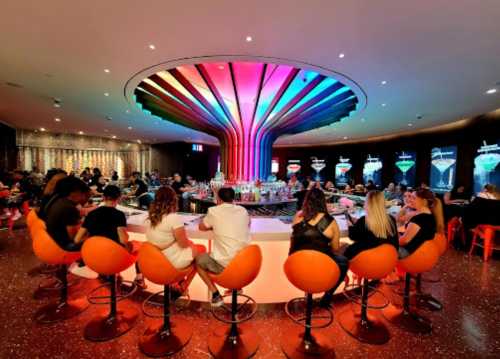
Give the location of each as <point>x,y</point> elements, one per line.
<point>231,226</point>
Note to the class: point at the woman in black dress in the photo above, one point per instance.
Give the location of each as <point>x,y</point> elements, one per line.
<point>375,228</point>
<point>314,229</point>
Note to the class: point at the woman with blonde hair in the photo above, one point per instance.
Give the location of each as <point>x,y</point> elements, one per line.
<point>165,229</point>
<point>375,228</point>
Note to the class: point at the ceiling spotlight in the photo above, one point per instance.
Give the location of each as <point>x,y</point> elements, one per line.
<point>42,129</point>
<point>129,127</point>
<point>152,47</point>
<point>107,71</point>
<point>80,132</point>
<point>113,137</point>
<point>363,120</point>
<point>491,91</point>
<point>57,102</point>
<point>410,124</point>
<point>109,118</point>
<point>106,94</point>
<point>341,55</point>
<point>249,39</point>
<point>345,137</point>
<point>383,82</point>
<point>57,119</point>
<point>57,105</point>
<point>139,141</point>
<point>383,105</point>
<point>127,111</point>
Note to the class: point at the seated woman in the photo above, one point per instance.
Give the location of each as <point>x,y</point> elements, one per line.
<point>314,229</point>
<point>109,222</point>
<point>423,225</point>
<point>374,229</point>
<point>165,229</point>
<point>407,211</point>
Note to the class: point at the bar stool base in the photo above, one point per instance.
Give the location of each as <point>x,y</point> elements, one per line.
<point>428,302</point>
<point>410,321</point>
<point>104,328</point>
<point>157,343</point>
<point>371,332</point>
<point>294,346</point>
<point>222,346</point>
<point>55,312</point>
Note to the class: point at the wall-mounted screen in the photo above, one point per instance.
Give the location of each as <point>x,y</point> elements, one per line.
<point>275,165</point>
<point>486,166</point>
<point>318,165</point>
<point>372,170</point>
<point>293,167</point>
<point>342,171</point>
<point>443,168</point>
<point>405,168</point>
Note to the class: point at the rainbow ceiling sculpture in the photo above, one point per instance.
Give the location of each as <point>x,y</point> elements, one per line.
<point>246,106</point>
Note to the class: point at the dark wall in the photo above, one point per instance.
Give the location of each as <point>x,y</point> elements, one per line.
<point>169,158</point>
<point>8,148</point>
<point>467,139</point>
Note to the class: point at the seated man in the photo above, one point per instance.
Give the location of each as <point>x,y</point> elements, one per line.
<point>109,222</point>
<point>231,226</point>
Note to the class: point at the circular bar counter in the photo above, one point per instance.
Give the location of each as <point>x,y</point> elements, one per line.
<point>272,234</point>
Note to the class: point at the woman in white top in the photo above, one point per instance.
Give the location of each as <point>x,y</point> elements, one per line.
<point>165,229</point>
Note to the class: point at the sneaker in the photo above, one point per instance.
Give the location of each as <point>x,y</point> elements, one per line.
<point>84,272</point>
<point>217,300</point>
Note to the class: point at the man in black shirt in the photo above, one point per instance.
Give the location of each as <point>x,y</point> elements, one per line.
<point>109,222</point>
<point>180,185</point>
<point>141,191</point>
<point>61,212</point>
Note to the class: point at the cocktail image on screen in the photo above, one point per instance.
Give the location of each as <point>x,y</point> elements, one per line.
<point>405,165</point>
<point>443,169</point>
<point>317,165</point>
<point>293,168</point>
<point>341,171</point>
<point>486,169</point>
<point>372,170</point>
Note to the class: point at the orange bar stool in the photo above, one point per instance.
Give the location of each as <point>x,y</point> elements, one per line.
<point>31,218</point>
<point>420,261</point>
<point>312,272</point>
<point>487,233</point>
<point>169,337</point>
<point>426,300</point>
<point>372,264</point>
<point>49,252</point>
<point>107,257</point>
<point>236,342</point>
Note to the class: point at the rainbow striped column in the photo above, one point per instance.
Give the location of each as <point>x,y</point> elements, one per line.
<point>246,105</point>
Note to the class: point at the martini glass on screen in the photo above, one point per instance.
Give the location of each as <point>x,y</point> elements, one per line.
<point>442,164</point>
<point>370,167</point>
<point>486,163</point>
<point>317,167</point>
<point>404,166</point>
<point>341,169</point>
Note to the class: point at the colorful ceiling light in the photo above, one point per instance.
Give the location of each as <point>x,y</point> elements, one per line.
<point>246,105</point>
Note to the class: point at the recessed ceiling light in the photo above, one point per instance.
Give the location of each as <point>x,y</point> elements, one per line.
<point>106,94</point>
<point>491,91</point>
<point>383,82</point>
<point>341,55</point>
<point>363,120</point>
<point>410,124</point>
<point>57,119</point>
<point>113,137</point>
<point>249,39</point>
<point>80,132</point>
<point>57,104</point>
<point>42,129</point>
<point>345,137</point>
<point>152,47</point>
<point>383,105</point>
<point>139,141</point>
<point>107,71</point>
<point>129,127</point>
<point>127,111</point>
